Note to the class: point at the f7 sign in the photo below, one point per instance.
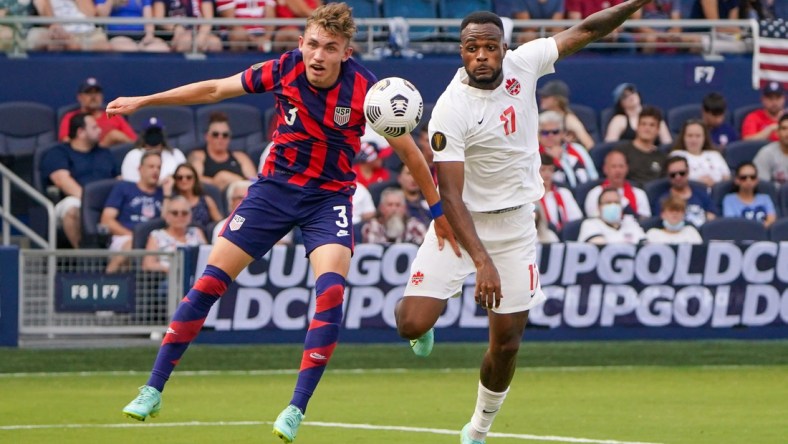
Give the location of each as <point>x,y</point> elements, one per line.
<point>88,292</point>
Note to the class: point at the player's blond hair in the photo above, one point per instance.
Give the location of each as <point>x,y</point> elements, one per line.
<point>335,18</point>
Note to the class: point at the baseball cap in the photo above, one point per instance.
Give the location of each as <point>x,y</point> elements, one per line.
<point>772,88</point>
<point>619,90</point>
<point>554,88</point>
<point>89,84</point>
<point>154,132</point>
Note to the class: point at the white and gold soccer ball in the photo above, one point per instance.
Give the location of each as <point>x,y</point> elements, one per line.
<point>393,107</point>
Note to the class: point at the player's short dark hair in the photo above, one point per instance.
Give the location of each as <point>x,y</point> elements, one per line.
<point>77,121</point>
<point>714,103</point>
<point>650,111</point>
<point>481,18</point>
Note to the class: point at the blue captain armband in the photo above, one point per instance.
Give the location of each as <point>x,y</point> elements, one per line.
<point>436,210</point>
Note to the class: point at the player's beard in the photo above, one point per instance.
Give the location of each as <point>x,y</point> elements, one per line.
<point>395,226</point>
<point>496,77</point>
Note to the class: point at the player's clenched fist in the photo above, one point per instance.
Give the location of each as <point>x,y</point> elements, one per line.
<point>123,105</point>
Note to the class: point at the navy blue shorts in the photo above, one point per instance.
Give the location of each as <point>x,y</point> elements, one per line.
<point>272,208</point>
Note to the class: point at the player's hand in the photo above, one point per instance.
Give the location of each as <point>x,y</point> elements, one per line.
<point>488,285</point>
<point>123,105</point>
<point>443,232</point>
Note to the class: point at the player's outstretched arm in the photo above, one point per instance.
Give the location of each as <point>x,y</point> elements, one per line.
<point>406,149</point>
<point>208,91</point>
<point>451,179</point>
<point>595,26</point>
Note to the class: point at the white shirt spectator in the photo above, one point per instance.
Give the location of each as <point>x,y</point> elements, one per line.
<point>687,235</point>
<point>170,159</point>
<point>629,232</point>
<point>707,163</point>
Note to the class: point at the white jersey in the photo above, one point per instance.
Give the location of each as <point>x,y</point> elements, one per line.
<point>495,131</point>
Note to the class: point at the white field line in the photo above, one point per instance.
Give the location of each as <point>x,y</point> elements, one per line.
<point>361,371</point>
<point>523,437</point>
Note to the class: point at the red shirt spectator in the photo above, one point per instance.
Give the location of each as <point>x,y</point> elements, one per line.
<point>247,9</point>
<point>295,8</point>
<point>587,7</point>
<point>114,130</point>
<point>761,124</point>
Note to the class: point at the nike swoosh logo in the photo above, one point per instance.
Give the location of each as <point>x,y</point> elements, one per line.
<point>480,121</point>
<point>485,411</point>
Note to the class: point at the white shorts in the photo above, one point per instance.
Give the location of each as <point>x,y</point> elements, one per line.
<point>119,242</point>
<point>66,204</point>
<point>510,240</point>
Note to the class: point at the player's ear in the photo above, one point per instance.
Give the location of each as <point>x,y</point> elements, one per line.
<point>300,41</point>
<point>505,47</point>
<point>348,53</point>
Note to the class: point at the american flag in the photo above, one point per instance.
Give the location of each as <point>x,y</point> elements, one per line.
<point>770,58</point>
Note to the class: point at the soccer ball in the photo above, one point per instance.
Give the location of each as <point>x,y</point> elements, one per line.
<point>393,107</point>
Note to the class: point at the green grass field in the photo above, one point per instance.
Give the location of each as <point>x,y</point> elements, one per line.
<point>594,392</point>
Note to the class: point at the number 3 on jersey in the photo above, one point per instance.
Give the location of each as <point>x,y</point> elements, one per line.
<point>509,120</point>
<point>291,116</point>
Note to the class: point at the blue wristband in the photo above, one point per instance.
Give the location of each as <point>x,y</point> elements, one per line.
<point>436,210</point>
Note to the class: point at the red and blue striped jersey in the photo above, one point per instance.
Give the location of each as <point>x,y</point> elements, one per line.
<point>317,129</point>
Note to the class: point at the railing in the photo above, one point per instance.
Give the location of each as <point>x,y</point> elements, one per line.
<point>696,35</point>
<point>9,220</point>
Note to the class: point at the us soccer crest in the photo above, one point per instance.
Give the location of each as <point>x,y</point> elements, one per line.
<point>341,115</point>
<point>512,87</point>
<point>236,223</point>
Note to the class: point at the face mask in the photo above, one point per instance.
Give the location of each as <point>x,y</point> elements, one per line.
<point>611,213</point>
<point>673,227</point>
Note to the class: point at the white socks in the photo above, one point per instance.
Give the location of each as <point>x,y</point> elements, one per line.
<point>487,405</point>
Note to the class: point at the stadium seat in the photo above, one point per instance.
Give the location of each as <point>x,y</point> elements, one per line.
<point>178,122</point>
<point>741,112</point>
<point>40,182</point>
<point>741,151</point>
<point>63,110</point>
<point>364,8</point>
<point>587,115</point>
<point>782,197</point>
<point>458,9</point>
<point>604,119</point>
<point>246,123</point>
<point>571,231</point>
<point>733,229</point>
<point>598,153</point>
<point>94,196</point>
<point>217,195</point>
<point>24,126</point>
<point>678,115</point>
<point>720,189</point>
<point>120,151</point>
<point>778,232</point>
<point>581,191</point>
<point>414,9</point>
<point>376,189</point>
<point>143,229</point>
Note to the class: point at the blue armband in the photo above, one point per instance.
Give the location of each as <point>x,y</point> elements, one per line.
<point>436,210</point>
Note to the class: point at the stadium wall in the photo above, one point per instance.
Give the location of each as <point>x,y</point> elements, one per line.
<point>9,296</point>
<point>664,80</point>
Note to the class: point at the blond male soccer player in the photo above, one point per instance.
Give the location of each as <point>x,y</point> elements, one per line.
<point>484,134</point>
<point>306,181</point>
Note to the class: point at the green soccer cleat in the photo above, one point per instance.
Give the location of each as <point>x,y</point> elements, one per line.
<point>147,403</point>
<point>465,436</point>
<point>423,346</point>
<point>286,424</point>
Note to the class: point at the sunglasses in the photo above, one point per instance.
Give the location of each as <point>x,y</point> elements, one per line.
<point>675,174</point>
<point>554,132</point>
<point>748,177</point>
<point>179,213</point>
<point>222,135</point>
<point>183,177</point>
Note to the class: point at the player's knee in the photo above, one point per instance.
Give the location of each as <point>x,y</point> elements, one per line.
<point>505,350</point>
<point>409,329</point>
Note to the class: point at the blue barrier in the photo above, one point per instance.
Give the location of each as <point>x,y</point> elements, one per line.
<point>9,296</point>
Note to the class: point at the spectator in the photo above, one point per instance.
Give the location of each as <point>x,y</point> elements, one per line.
<point>70,36</point>
<point>544,234</point>
<point>706,164</point>
<point>204,210</point>
<point>772,159</point>
<point>216,164</point>
<point>698,202</point>
<point>626,116</point>
<point>574,165</point>
<point>633,199</point>
<point>653,38</point>
<point>236,192</point>
<point>130,203</point>
<point>153,138</point>
<point>531,10</point>
<point>114,131</point>
<point>125,37</point>
<point>744,201</point>
<point>74,164</point>
<point>363,205</point>
<point>393,225</point>
<point>581,9</point>
<point>414,201</point>
<point>554,96</point>
<point>176,233</point>
<point>612,226</point>
<point>558,205</point>
<point>368,165</point>
<point>286,37</point>
<point>713,113</point>
<point>23,36</point>
<point>181,35</point>
<point>674,228</point>
<point>245,37</point>
<point>761,124</point>
<point>716,10</point>
<point>646,161</point>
